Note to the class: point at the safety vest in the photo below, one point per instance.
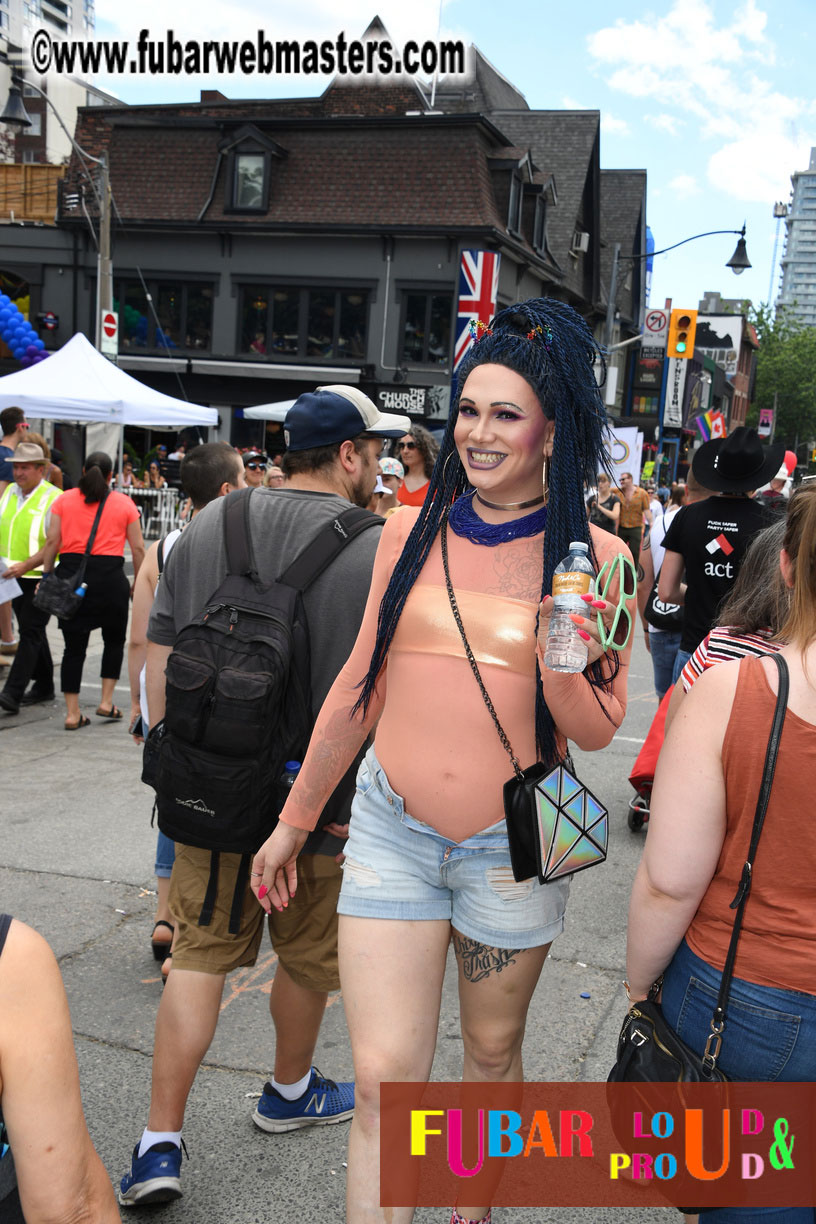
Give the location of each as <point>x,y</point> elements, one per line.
<point>22,528</point>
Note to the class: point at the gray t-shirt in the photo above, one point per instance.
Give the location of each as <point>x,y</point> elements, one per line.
<point>283,522</point>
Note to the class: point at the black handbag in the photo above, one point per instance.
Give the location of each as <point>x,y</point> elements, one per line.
<point>660,615</point>
<point>62,596</point>
<point>648,1048</point>
<point>555,826</point>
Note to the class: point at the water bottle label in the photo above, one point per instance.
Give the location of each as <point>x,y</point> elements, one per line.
<point>574,582</point>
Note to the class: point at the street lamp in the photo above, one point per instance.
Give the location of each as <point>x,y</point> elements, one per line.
<point>15,115</point>
<point>738,262</point>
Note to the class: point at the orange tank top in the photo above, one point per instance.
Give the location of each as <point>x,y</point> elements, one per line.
<point>777,946</point>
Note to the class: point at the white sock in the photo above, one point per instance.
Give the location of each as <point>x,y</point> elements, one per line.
<point>150,1138</point>
<point>291,1092</point>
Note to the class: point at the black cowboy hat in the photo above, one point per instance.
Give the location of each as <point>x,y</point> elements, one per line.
<point>738,463</point>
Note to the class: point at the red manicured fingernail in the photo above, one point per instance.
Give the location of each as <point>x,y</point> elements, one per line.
<point>598,603</point>
<point>583,635</point>
<point>587,598</point>
<point>576,619</point>
<point>262,891</point>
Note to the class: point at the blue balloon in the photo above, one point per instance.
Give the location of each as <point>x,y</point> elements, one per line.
<point>5,300</point>
<point>5,314</point>
<point>38,344</point>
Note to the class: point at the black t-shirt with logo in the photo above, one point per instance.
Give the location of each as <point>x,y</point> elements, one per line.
<point>712,537</point>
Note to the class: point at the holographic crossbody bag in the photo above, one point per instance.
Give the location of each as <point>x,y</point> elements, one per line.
<point>555,826</point>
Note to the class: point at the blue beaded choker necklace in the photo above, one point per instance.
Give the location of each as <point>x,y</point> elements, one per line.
<point>465,522</point>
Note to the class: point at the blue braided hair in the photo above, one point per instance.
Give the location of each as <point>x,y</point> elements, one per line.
<point>553,349</point>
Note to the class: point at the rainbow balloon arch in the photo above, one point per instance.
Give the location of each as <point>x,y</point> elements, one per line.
<point>19,335</point>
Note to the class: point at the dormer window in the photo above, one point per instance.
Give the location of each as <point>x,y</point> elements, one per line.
<point>514,209</point>
<point>249,188</point>
<point>540,225</point>
<point>249,159</point>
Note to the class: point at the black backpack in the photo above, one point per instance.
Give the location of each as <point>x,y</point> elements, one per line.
<point>238,687</point>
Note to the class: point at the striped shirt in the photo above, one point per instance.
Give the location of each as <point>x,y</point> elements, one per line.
<point>723,645</point>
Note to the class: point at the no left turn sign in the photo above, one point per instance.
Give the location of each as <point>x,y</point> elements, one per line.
<point>656,321</point>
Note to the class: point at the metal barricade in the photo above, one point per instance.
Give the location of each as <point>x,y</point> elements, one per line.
<point>159,509</point>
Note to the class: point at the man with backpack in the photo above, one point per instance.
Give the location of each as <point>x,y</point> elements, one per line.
<point>259,606</point>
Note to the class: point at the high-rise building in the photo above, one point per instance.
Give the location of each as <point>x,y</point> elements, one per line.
<point>44,141</point>
<point>798,292</point>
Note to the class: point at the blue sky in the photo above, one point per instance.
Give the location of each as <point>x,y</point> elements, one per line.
<point>714,98</point>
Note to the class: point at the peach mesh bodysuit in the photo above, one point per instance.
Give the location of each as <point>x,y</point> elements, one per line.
<point>435,738</point>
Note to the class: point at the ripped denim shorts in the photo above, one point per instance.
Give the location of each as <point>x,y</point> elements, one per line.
<point>398,867</point>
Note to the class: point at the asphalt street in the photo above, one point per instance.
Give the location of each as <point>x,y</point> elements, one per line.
<point>76,863</point>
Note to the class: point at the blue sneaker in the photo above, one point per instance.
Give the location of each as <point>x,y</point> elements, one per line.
<point>153,1178</point>
<point>322,1104</point>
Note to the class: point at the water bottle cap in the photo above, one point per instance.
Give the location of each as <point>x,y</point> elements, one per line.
<point>578,546</point>
<point>292,766</point>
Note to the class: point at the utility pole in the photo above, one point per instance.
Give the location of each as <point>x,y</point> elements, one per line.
<point>104,267</point>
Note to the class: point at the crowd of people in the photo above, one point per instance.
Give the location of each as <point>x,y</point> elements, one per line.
<point>437,582</point>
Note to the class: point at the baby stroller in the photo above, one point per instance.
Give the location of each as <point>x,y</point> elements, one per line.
<point>643,770</point>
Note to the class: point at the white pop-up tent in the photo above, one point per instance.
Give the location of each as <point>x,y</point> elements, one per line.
<point>266,412</point>
<point>77,383</point>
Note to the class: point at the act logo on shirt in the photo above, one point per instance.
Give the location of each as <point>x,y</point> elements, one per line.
<point>720,543</point>
<point>719,569</point>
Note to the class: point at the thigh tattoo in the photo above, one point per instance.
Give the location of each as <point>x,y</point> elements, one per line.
<point>478,960</point>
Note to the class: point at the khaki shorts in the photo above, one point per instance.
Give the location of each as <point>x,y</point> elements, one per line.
<point>304,935</point>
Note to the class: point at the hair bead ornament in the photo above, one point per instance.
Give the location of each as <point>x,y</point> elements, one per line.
<point>541,333</point>
<point>478,329</point>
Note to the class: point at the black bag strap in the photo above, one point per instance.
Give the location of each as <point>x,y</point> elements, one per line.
<point>310,563</point>
<point>718,1018</point>
<point>80,574</point>
<point>237,537</point>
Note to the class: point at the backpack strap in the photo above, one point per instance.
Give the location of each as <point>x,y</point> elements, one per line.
<point>160,554</point>
<point>310,563</point>
<point>237,537</point>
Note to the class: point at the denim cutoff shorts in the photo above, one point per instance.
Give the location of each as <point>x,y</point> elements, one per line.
<point>398,867</point>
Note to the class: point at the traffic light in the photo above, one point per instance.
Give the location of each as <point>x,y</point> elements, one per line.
<point>682,326</point>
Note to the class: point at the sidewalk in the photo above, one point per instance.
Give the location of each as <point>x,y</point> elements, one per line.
<point>76,863</point>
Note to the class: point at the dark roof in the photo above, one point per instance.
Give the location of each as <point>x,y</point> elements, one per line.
<point>623,220</point>
<point>561,143</point>
<point>485,89</point>
<point>419,173</point>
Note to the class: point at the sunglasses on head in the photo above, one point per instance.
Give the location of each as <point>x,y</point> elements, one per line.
<point>406,446</point>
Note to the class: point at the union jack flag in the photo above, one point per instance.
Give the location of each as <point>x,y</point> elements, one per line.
<point>478,289</point>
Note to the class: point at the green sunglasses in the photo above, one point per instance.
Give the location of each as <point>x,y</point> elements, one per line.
<point>620,568</point>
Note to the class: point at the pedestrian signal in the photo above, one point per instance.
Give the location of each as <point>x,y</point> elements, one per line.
<point>682,327</point>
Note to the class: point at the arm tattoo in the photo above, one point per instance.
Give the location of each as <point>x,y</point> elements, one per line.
<point>479,961</point>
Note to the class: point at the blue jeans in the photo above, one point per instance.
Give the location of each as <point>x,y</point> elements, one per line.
<point>681,659</point>
<point>165,856</point>
<point>398,867</point>
<point>769,1035</point>
<point>663,647</point>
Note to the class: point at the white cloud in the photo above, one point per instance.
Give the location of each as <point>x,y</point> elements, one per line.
<point>713,77</point>
<point>665,123</point>
<point>612,126</point>
<point>570,104</point>
<point>684,185</point>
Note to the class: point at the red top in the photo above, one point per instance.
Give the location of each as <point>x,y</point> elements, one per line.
<point>78,517</point>
<point>406,498</point>
<point>778,938</point>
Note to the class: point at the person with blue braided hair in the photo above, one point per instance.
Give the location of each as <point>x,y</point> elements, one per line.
<point>427,857</point>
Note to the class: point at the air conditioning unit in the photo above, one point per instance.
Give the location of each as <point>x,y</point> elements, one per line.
<point>580,243</point>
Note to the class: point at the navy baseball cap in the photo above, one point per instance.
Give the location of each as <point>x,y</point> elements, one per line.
<point>337,414</point>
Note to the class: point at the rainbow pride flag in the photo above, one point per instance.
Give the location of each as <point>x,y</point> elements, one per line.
<point>711,425</point>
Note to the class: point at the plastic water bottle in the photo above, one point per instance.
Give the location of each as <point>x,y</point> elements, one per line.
<point>573,577</point>
<point>81,589</point>
<point>290,771</point>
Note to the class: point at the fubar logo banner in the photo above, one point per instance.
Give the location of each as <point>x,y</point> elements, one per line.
<point>597,1145</point>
